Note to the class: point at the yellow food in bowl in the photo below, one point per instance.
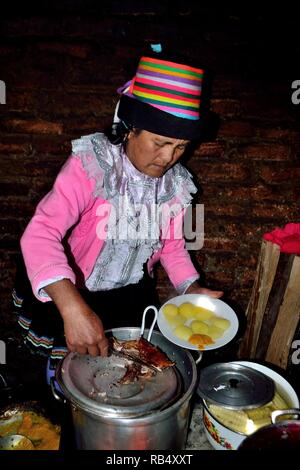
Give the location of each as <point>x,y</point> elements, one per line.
<point>187,320</point>
<point>199,327</point>
<point>220,322</point>
<point>215,332</point>
<point>202,313</point>
<point>42,433</point>
<point>187,310</point>
<point>183,332</point>
<point>171,310</point>
<point>200,340</point>
<point>175,320</point>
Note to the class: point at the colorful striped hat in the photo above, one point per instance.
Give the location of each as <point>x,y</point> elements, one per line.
<point>164,97</point>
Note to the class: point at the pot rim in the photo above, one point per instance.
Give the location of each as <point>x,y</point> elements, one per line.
<point>294,421</point>
<point>107,414</point>
<point>222,424</point>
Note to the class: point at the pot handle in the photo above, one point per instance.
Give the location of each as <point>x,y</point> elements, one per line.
<point>200,354</point>
<point>153,323</point>
<point>58,396</point>
<point>277,413</point>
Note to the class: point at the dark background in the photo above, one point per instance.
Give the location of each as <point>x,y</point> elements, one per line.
<point>62,63</point>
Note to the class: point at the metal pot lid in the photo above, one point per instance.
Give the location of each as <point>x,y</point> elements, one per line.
<point>94,384</point>
<point>235,386</point>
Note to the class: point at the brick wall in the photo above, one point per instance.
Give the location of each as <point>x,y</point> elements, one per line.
<point>62,64</point>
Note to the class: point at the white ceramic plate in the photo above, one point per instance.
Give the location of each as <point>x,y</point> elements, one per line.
<point>220,309</point>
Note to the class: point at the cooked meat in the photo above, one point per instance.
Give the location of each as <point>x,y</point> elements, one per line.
<point>135,371</point>
<point>143,351</point>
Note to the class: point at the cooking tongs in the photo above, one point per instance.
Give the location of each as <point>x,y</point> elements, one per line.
<point>111,350</point>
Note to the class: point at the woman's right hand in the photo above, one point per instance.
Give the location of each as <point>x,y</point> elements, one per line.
<point>84,333</point>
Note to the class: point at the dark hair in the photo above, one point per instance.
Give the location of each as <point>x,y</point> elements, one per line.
<point>119,130</point>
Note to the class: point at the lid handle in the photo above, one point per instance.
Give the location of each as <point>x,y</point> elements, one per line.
<point>153,323</point>
<point>275,414</point>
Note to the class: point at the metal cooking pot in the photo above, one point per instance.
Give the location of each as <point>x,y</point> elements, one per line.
<point>223,433</point>
<point>114,428</point>
<point>283,435</point>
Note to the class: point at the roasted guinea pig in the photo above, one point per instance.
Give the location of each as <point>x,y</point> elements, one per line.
<point>143,351</point>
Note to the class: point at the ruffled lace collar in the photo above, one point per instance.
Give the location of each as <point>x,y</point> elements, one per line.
<point>115,175</point>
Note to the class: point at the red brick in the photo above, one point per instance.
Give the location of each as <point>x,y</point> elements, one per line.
<point>220,209</point>
<point>280,175</point>
<point>79,103</point>
<point>281,211</point>
<point>12,148</point>
<point>246,193</point>
<point>76,50</point>
<point>6,50</point>
<point>10,229</point>
<point>19,206</point>
<point>23,101</point>
<point>241,295</point>
<point>44,145</point>
<point>220,243</point>
<point>218,172</point>
<point>240,232</point>
<point>210,149</point>
<point>79,127</point>
<point>12,188</point>
<point>279,134</point>
<point>236,129</point>
<point>220,278</point>
<point>274,152</point>
<point>226,107</point>
<point>263,107</point>
<point>246,277</point>
<point>228,86</point>
<point>218,262</point>
<point>33,126</point>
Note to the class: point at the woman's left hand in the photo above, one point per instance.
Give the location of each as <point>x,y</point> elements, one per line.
<point>196,289</point>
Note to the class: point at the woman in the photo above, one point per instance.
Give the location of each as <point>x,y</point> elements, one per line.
<point>91,245</point>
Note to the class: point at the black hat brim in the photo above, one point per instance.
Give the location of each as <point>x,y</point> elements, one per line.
<point>144,116</point>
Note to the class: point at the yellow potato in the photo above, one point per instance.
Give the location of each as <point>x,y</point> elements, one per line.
<point>199,327</point>
<point>183,332</point>
<point>170,310</point>
<point>175,320</point>
<point>187,310</point>
<point>220,322</point>
<point>202,313</point>
<point>214,332</point>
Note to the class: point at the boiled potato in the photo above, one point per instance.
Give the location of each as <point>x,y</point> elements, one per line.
<point>187,310</point>
<point>175,320</point>
<point>170,310</point>
<point>183,332</point>
<point>202,313</point>
<point>220,322</point>
<point>199,327</point>
<point>215,332</point>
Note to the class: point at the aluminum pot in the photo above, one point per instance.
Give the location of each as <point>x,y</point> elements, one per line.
<point>222,437</point>
<point>283,435</point>
<point>155,430</point>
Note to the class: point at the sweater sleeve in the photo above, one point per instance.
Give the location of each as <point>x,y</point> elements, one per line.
<point>60,209</point>
<point>175,258</point>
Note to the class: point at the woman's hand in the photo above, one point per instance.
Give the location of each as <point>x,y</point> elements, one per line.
<point>84,331</point>
<point>196,289</point>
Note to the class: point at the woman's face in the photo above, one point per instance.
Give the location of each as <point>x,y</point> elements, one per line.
<point>153,154</point>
